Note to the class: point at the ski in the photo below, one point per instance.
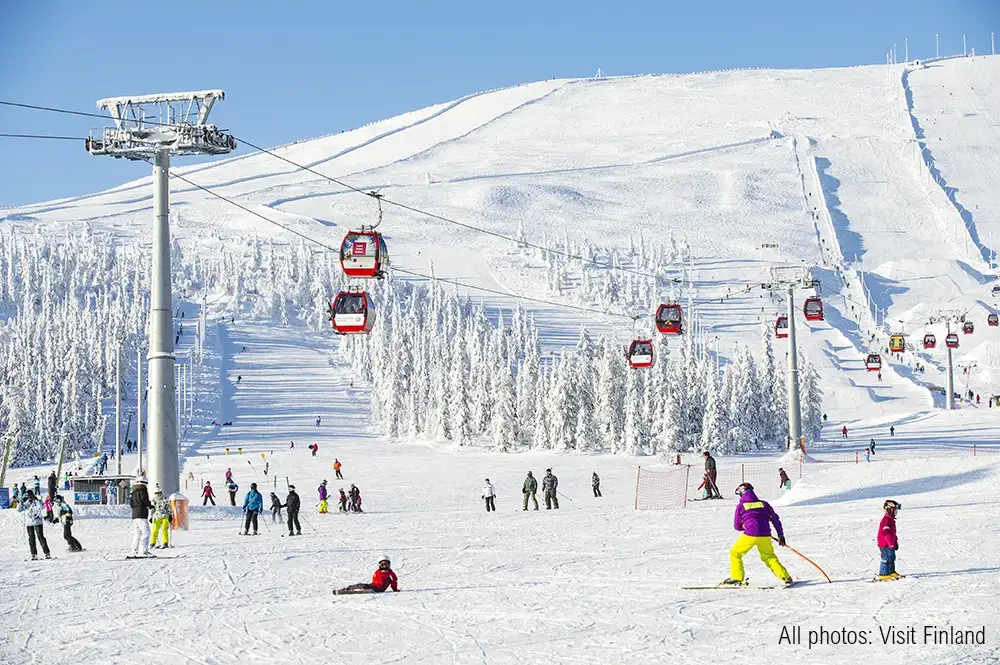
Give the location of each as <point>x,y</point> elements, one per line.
<point>351,592</point>
<point>742,586</point>
<point>51,558</point>
<point>893,579</point>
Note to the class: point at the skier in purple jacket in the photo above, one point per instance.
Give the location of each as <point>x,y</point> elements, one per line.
<point>754,518</point>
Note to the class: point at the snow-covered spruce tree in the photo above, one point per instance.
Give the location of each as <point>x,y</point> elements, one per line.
<point>811,398</point>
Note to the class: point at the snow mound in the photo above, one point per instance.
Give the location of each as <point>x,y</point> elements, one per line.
<point>795,456</point>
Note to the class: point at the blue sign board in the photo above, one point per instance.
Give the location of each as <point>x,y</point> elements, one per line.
<point>4,498</point>
<point>86,497</point>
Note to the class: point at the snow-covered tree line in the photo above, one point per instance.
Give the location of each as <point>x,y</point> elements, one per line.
<point>441,369</point>
<point>634,281</point>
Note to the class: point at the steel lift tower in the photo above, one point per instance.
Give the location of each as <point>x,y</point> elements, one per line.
<point>788,279</point>
<point>151,128</point>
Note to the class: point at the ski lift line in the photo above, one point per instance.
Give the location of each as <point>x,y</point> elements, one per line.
<point>404,271</point>
<point>41,136</point>
<point>373,194</point>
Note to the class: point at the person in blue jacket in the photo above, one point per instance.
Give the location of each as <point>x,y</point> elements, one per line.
<point>253,503</point>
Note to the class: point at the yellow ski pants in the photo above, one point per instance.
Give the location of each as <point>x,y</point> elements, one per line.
<point>163,524</point>
<point>324,507</point>
<point>764,547</point>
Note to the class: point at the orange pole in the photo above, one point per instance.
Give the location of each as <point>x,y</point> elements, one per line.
<point>856,460</point>
<point>807,559</point>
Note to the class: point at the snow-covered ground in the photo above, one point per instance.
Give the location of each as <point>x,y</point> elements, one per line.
<point>594,582</point>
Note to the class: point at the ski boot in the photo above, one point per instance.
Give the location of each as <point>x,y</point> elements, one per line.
<point>34,557</point>
<point>731,582</point>
<point>48,556</point>
<point>788,581</point>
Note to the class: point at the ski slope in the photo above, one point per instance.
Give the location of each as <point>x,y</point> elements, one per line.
<point>593,581</point>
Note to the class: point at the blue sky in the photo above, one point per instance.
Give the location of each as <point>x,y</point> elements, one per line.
<point>294,70</point>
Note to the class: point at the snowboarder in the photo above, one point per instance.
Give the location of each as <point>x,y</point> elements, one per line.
<point>276,508</point>
<point>233,489</point>
<point>229,476</point>
<point>784,482</point>
<point>161,520</point>
<point>549,489</point>
<point>343,501</point>
<point>52,486</point>
<point>324,507</point>
<point>336,468</point>
<point>892,430</point>
<point>253,503</point>
<point>595,481</point>
<point>66,517</point>
<point>208,493</point>
<point>887,541</point>
<point>489,494</point>
<point>292,504</point>
<point>843,432</point>
<point>754,518</point>
<point>381,580</point>
<point>711,474</point>
<point>140,517</point>
<point>32,509</point>
<point>529,490</point>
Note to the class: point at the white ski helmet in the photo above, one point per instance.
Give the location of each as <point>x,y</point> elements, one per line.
<point>384,559</point>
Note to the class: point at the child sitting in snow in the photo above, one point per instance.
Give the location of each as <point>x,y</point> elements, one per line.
<point>381,580</point>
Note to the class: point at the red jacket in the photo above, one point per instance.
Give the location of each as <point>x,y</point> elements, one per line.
<point>383,579</point>
<point>208,491</point>
<point>887,532</point>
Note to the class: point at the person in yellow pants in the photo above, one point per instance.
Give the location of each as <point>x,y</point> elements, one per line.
<point>161,519</point>
<point>754,518</point>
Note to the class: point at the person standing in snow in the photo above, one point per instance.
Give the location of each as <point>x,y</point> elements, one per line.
<point>843,432</point>
<point>47,504</point>
<point>276,508</point>
<point>229,476</point>
<point>550,485</point>
<point>529,490</point>
<point>711,474</point>
<point>324,507</point>
<point>343,501</point>
<point>315,449</point>
<point>253,503</point>
<point>892,430</point>
<point>38,488</point>
<point>33,513</point>
<point>292,505</point>
<point>140,517</point>
<point>489,494</point>
<point>233,489</point>
<point>383,579</point>
<point>52,486</point>
<point>595,481</point>
<point>871,446</point>
<point>317,421</point>
<point>208,493</point>
<point>754,518</point>
<point>784,482</point>
<point>355,496</point>
<point>66,517</point>
<point>336,468</point>
<point>887,541</point>
<point>161,520</point>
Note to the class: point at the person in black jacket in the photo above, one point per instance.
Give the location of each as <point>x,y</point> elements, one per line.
<point>52,486</point>
<point>711,475</point>
<point>276,508</point>
<point>140,517</point>
<point>292,504</point>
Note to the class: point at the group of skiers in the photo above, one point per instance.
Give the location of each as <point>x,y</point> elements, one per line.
<point>37,510</point>
<point>529,491</point>
<point>349,502</point>
<point>754,519</point>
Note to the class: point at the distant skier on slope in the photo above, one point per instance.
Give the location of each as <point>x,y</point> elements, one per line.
<point>595,481</point>
<point>317,421</point>
<point>336,468</point>
<point>229,476</point>
<point>489,495</point>
<point>550,485</point>
<point>324,507</point>
<point>66,517</point>
<point>140,517</point>
<point>383,578</point>
<point>33,519</point>
<point>253,503</point>
<point>843,432</point>
<point>887,542</point>
<point>161,520</point>
<point>711,475</point>
<point>529,490</point>
<point>754,518</point>
<point>208,493</point>
<point>276,508</point>
<point>233,488</point>
<point>292,504</point>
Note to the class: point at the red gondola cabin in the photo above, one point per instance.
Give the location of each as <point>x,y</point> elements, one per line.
<point>364,254</point>
<point>781,327</point>
<point>813,309</point>
<point>668,319</point>
<point>993,320</point>
<point>873,362</point>
<point>353,313</point>
<point>968,327</point>
<point>640,353</point>
<point>951,341</point>
<point>930,341</point>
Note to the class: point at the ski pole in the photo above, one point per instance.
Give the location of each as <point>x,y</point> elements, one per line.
<point>807,559</point>
<point>563,495</point>
<point>308,523</point>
